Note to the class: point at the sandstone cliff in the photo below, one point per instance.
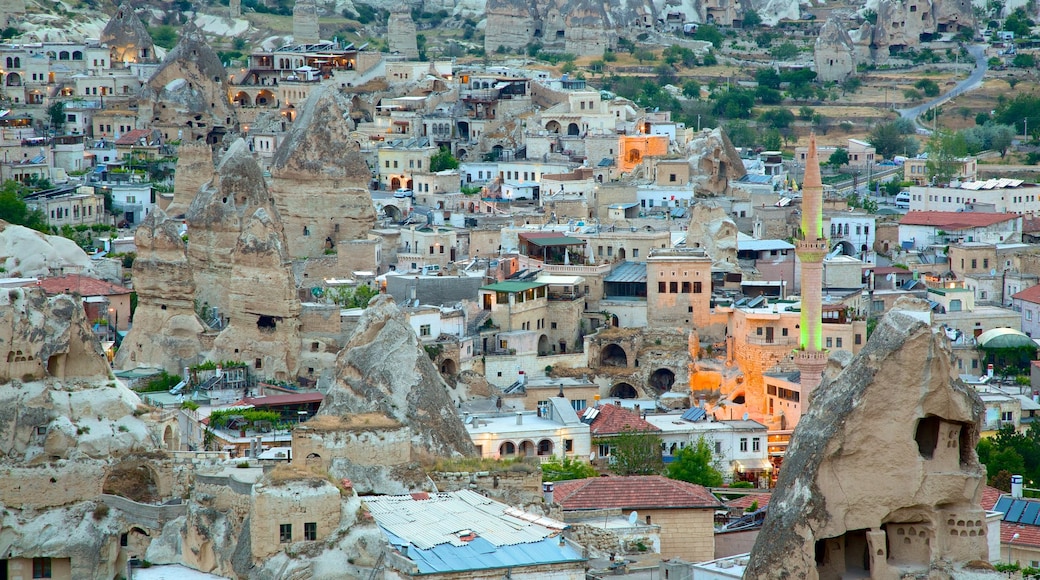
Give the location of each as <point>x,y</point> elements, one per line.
<point>127,38</point>
<point>319,180</point>
<point>714,162</point>
<point>896,414</point>
<point>384,369</point>
<point>25,252</point>
<point>194,168</point>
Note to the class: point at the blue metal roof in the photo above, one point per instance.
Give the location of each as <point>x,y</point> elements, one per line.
<point>480,554</point>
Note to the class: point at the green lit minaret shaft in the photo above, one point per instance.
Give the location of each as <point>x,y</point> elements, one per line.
<point>811,249</point>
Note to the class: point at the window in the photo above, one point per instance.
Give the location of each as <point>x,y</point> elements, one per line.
<point>1006,416</point>
<point>837,342</point>
<point>635,252</point>
<point>783,332</point>
<point>718,447</point>
<point>673,287</point>
<point>985,262</point>
<point>671,177</point>
<point>974,263</point>
<point>552,325</point>
<point>41,568</point>
<point>310,531</point>
<point>285,533</point>
<point>660,287</point>
<point>579,405</point>
<point>685,287</point>
<point>696,287</point>
<point>1029,314</point>
<point>568,445</point>
<point>830,342</point>
<point>756,444</point>
<point>858,339</point>
<point>743,443</point>
<point>604,450</point>
<point>424,330</point>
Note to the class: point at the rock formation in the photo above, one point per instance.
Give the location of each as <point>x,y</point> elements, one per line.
<point>400,33</point>
<point>319,180</point>
<point>713,229</point>
<point>166,329</point>
<point>383,369</point>
<point>241,267</point>
<point>126,37</point>
<point>187,97</point>
<point>901,25</point>
<point>25,252</point>
<point>305,22</point>
<point>834,53</point>
<point>714,162</point>
<point>895,413</point>
<point>194,168</point>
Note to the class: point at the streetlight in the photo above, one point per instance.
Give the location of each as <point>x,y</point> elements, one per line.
<point>1011,543</point>
<point>111,313</point>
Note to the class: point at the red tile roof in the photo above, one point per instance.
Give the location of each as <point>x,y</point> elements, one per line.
<point>955,220</point>
<point>743,502</point>
<point>614,419</point>
<point>82,285</point>
<point>1030,224</point>
<point>133,137</point>
<point>632,492</point>
<point>990,495</point>
<point>1031,294</point>
<point>1028,536</point>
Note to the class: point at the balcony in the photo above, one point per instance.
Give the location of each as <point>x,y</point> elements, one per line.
<point>772,341</point>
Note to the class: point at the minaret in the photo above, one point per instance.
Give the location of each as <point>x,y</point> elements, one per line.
<point>811,358</point>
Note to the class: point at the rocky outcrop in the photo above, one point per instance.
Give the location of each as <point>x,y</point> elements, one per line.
<point>714,162</point>
<point>127,38</point>
<point>834,53</point>
<point>384,369</point>
<point>319,179</point>
<point>194,168</point>
<point>305,22</point>
<point>25,253</point>
<point>187,97</point>
<point>166,329</point>
<point>713,229</point>
<point>400,33</point>
<point>241,267</point>
<point>896,413</point>
<point>901,25</point>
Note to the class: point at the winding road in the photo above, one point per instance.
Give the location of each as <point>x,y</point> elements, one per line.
<point>973,81</point>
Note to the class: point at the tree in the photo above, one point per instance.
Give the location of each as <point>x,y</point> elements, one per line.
<point>805,113</point>
<point>772,140</point>
<point>778,118</point>
<point>696,464</point>
<point>767,77</point>
<point>56,115</point>
<point>443,159</point>
<point>839,157</point>
<point>164,36</point>
<point>643,54</point>
<point>751,19</point>
<point>357,297</point>
<point>709,33</point>
<point>889,141</point>
<point>567,470</point>
<point>945,150</point>
<point>691,89</point>
<point>635,452</point>
<point>14,210</point>
<point>785,51</point>
<point>1024,60</point>
<point>928,87</point>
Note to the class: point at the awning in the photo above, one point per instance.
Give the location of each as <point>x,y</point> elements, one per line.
<point>744,465</point>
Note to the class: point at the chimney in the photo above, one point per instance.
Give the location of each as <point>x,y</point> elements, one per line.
<point>519,418</point>
<point>547,491</point>
<point>1016,486</point>
<point>636,408</point>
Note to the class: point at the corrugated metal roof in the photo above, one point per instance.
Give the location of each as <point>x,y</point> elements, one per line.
<point>559,241</point>
<point>428,530</point>
<point>509,286</point>
<point>628,272</point>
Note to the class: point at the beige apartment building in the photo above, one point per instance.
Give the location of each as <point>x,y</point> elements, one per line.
<point>678,288</point>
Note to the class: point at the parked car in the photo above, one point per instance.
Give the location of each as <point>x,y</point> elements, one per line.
<point>403,193</point>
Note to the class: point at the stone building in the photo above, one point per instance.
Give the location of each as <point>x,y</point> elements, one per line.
<point>834,52</point>
<point>127,38</point>
<point>678,288</point>
<point>897,413</point>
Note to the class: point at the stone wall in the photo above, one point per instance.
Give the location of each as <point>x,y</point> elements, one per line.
<point>297,503</point>
<point>685,533</point>
<point>147,515</point>
<point>53,485</point>
<point>372,446</point>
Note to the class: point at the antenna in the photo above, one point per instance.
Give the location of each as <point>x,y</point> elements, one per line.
<point>632,517</point>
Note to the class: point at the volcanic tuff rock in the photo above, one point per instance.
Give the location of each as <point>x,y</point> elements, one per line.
<point>713,229</point>
<point>25,252</point>
<point>194,168</point>
<point>166,327</point>
<point>834,53</point>
<point>896,413</point>
<point>127,38</point>
<point>384,369</point>
<point>901,25</point>
<point>400,33</point>
<point>714,162</point>
<point>319,180</point>
<point>187,97</point>
<point>305,22</point>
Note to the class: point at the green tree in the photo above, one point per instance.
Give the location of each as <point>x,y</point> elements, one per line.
<point>889,140</point>
<point>945,150</point>
<point>839,157</point>
<point>785,51</point>
<point>751,19</point>
<point>635,452</point>
<point>12,207</point>
<point>805,113</point>
<point>1024,60</point>
<point>164,36</point>
<point>56,115</point>
<point>567,469</point>
<point>691,89</point>
<point>643,54</point>
<point>709,33</point>
<point>347,297</point>
<point>767,77</point>
<point>778,118</point>
<point>772,140</point>
<point>443,159</point>
<point>928,87</point>
<point>696,464</point>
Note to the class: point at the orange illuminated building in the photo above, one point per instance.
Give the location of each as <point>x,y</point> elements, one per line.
<point>633,148</point>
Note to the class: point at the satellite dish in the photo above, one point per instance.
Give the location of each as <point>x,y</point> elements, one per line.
<point>632,517</point>
<point>592,456</point>
<point>745,417</point>
<point>992,272</point>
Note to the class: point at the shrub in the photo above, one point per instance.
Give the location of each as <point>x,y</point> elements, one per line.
<point>100,512</point>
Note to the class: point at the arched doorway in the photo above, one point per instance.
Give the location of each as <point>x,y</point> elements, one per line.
<point>543,345</point>
<point>573,130</point>
<point>448,367</point>
<point>623,391</point>
<point>662,380</point>
<point>168,439</point>
<point>393,212</point>
<point>621,254</point>
<point>395,183</point>
<point>613,355</point>
<point>527,449</point>
<point>545,447</point>
<point>847,249</point>
<point>14,80</point>
<point>507,449</point>
<point>552,127</point>
<point>265,98</point>
<point>634,156</point>
<point>132,480</point>
<point>242,99</point>
<point>614,321</point>
<point>312,459</point>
